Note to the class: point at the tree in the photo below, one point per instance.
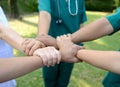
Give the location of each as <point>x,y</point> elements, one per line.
<point>14,9</point>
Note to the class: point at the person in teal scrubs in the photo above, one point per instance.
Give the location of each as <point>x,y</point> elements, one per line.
<point>104,26</point>
<point>58,17</point>
<point>113,79</point>
<point>97,31</point>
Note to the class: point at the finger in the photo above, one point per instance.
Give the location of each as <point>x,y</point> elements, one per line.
<point>55,56</point>
<point>58,38</point>
<point>64,35</point>
<point>50,56</point>
<point>24,44</point>
<point>33,48</point>
<point>26,41</point>
<point>29,46</point>
<point>44,57</point>
<point>69,36</point>
<point>58,56</point>
<point>41,54</point>
<point>42,45</point>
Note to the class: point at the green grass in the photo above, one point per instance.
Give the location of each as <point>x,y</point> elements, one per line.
<point>83,75</point>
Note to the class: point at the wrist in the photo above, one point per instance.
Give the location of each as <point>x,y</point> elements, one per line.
<point>80,53</point>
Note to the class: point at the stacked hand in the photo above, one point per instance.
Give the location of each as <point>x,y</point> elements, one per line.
<point>68,49</point>
<point>49,55</point>
<point>30,45</point>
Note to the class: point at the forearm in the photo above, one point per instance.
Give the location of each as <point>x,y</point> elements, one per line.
<point>108,60</point>
<point>11,37</point>
<point>93,31</point>
<point>16,67</point>
<point>44,22</point>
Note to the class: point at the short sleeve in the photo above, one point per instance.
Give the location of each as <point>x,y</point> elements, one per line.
<point>114,20</point>
<point>44,5</point>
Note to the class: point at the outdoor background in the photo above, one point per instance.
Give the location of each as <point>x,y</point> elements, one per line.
<point>23,18</point>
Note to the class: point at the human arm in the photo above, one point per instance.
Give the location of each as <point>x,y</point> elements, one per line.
<point>68,49</point>
<point>43,27</point>
<point>101,27</point>
<point>44,22</point>
<point>44,16</point>
<point>108,60</point>
<point>16,67</point>
<point>94,30</point>
<point>11,37</point>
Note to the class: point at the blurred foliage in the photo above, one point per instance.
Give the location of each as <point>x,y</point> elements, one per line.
<point>28,6</point>
<point>100,5</point>
<point>4,4</point>
<point>32,5</point>
<point>117,3</point>
<point>24,6</point>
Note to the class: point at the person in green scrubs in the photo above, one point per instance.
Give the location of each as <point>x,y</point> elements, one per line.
<point>113,79</point>
<point>101,27</point>
<point>107,26</point>
<point>58,17</point>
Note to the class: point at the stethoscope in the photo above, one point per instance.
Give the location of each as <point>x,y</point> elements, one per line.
<point>59,19</point>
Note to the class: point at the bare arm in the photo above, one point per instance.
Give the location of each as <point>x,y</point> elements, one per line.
<point>93,31</point>
<point>44,22</point>
<point>43,29</point>
<point>16,67</point>
<point>108,60</point>
<point>11,37</point>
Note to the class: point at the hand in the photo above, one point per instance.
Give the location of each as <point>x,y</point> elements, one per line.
<point>30,45</point>
<point>49,55</point>
<point>68,49</point>
<point>47,40</point>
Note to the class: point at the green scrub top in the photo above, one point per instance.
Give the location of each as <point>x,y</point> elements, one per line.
<point>70,23</point>
<point>114,20</point>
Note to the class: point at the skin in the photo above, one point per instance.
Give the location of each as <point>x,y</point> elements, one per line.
<point>107,60</point>
<point>96,29</point>
<point>43,29</point>
<point>68,53</point>
<point>18,66</point>
<point>15,40</point>
<point>92,31</point>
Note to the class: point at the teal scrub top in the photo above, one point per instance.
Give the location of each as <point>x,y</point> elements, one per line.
<point>70,23</point>
<point>114,20</point>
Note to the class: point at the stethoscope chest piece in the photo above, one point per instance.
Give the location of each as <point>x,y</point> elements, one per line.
<point>59,21</point>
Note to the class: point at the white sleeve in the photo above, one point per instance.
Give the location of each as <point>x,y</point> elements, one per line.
<point>3,18</point>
